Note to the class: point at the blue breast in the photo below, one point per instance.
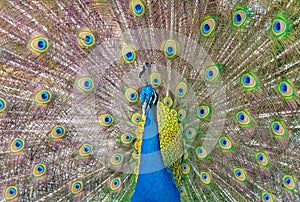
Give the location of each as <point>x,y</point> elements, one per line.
<point>155,181</point>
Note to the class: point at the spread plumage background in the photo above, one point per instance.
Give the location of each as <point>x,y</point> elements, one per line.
<point>227,73</point>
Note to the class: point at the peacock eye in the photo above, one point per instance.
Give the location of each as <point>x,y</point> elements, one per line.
<point>181,89</point>
<point>170,48</point>
<point>280,27</point>
<point>131,95</point>
<point>43,96</point>
<point>85,150</point>
<point>116,159</point>
<point>190,133</point>
<point>17,145</point>
<point>128,54</point>
<point>137,7</point>
<point>262,159</point>
<point>126,138</point>
<point>106,120</point>
<point>208,27</point>
<point>115,184</point>
<point>286,89</point>
<point>243,118</point>
<point>85,84</point>
<point>289,182</point>
<point>249,82</point>
<point>76,187</point>
<point>212,73</point>
<point>10,193</point>
<point>204,111</point>
<point>278,129</point>
<point>2,105</point>
<point>181,115</point>
<point>225,143</point>
<point>39,170</point>
<point>86,39</point>
<point>182,191</point>
<point>267,197</point>
<point>58,132</point>
<point>185,168</point>
<point>201,152</point>
<point>240,174</point>
<point>155,79</point>
<point>136,118</point>
<point>205,177</point>
<point>38,45</point>
<point>239,17</point>
<point>168,101</point>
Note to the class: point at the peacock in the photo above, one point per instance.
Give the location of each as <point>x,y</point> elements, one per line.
<point>149,100</point>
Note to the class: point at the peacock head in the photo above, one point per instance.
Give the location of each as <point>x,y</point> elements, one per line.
<point>148,98</point>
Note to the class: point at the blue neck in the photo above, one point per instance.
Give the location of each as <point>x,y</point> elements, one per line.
<point>155,181</point>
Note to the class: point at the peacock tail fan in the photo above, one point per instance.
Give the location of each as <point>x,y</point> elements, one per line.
<point>227,78</point>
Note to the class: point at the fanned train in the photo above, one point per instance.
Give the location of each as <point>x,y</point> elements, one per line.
<point>149,100</point>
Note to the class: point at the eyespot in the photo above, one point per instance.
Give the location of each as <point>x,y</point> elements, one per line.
<point>115,183</point>
<point>126,138</point>
<point>168,101</point>
<point>278,129</point>
<point>155,79</point>
<point>212,73</point>
<point>137,7</point>
<point>225,143</point>
<point>267,197</point>
<point>85,150</point>
<point>86,39</point>
<point>170,48</point>
<point>239,17</point>
<point>136,118</point>
<point>38,45</point>
<point>131,95</point>
<point>116,159</point>
<point>204,111</point>
<point>249,82</point>
<point>85,84</point>
<point>185,168</point>
<point>106,120</point>
<point>181,89</point>
<point>2,105</point>
<point>289,182</point>
<point>208,27</point>
<point>240,174</point>
<point>182,191</point>
<point>280,27</point>
<point>39,170</point>
<point>286,89</point>
<point>205,177</point>
<point>201,152</point>
<point>10,193</point>
<point>17,145</point>
<point>128,54</point>
<point>135,154</point>
<point>58,132</point>
<point>243,118</point>
<point>190,133</point>
<point>181,115</point>
<point>262,158</point>
<point>76,187</point>
<point>43,96</point>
